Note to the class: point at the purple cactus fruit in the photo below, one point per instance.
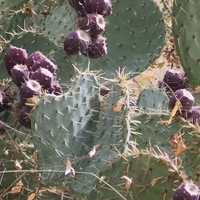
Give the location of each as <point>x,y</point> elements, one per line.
<point>174,80</point>
<point>76,42</point>
<point>104,91</point>
<point>185,97</point>
<point>25,116</point>
<point>94,24</point>
<point>13,56</point>
<point>79,6</point>
<point>193,115</point>
<point>132,102</point>
<point>187,191</point>
<point>3,101</point>
<point>46,63</point>
<point>35,56</point>
<point>102,7</point>
<point>97,47</point>
<point>20,74</point>
<point>43,76</point>
<point>161,84</point>
<point>29,89</point>
<point>55,88</point>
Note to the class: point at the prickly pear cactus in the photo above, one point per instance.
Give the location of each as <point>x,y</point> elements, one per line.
<point>110,141</point>
<point>131,43</point>
<point>81,144</point>
<point>60,123</point>
<point>136,176</point>
<point>186,35</point>
<point>152,100</point>
<point>30,41</point>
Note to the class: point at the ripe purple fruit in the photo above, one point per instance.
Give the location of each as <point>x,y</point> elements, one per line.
<point>20,74</point>
<point>97,47</point>
<point>29,89</point>
<point>185,97</point>
<point>25,116</point>
<point>43,76</point>
<point>187,191</point>
<point>193,115</point>
<point>13,56</point>
<point>104,91</point>
<point>44,63</point>
<point>79,6</point>
<point>93,24</point>
<point>55,88</point>
<point>102,7</point>
<point>76,42</point>
<point>3,101</point>
<point>35,56</point>
<point>174,80</point>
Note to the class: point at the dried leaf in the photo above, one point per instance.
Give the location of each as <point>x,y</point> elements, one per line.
<point>177,144</point>
<point>34,156</point>
<point>5,153</point>
<point>18,165</point>
<point>197,89</point>
<point>31,196</point>
<point>164,122</point>
<point>30,11</point>
<point>172,114</point>
<point>118,106</point>
<point>154,181</point>
<point>93,151</point>
<point>68,167</point>
<point>175,108</point>
<point>128,182</point>
<point>17,188</point>
<point>19,183</point>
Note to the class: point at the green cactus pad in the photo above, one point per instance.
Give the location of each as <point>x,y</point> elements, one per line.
<point>64,125</point>
<point>152,100</point>
<point>135,35</point>
<point>147,173</point>
<point>149,132</point>
<point>61,20</point>
<point>186,25</point>
<point>112,136</point>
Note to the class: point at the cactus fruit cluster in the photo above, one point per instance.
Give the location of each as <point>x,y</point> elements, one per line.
<point>87,39</point>
<point>175,84</point>
<point>93,138</point>
<point>174,80</point>
<point>34,76</point>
